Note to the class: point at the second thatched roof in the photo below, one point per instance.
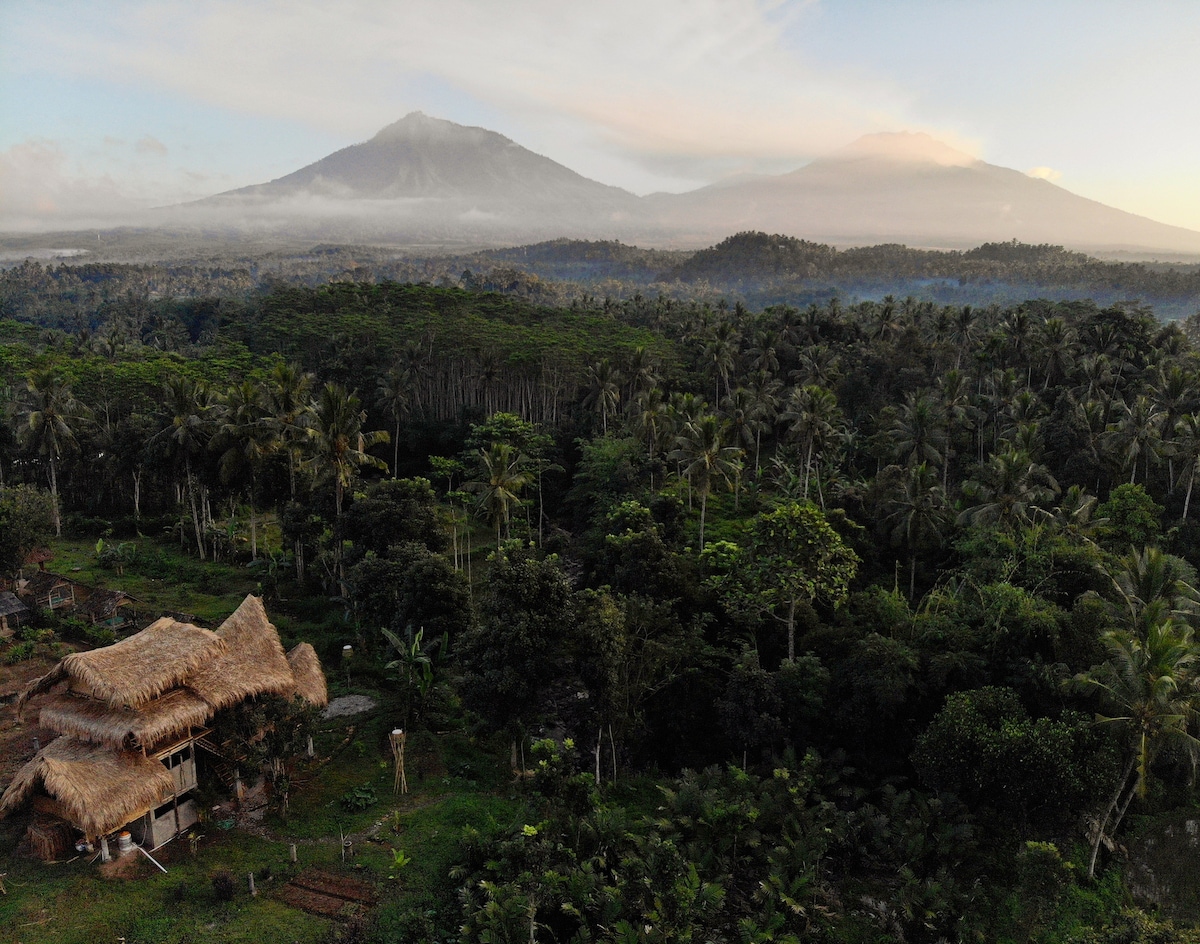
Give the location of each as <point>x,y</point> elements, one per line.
<point>251,663</point>
<point>97,789</point>
<point>159,719</point>
<point>134,670</point>
<point>310,680</point>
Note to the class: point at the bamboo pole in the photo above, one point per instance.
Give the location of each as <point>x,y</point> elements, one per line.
<point>398,738</point>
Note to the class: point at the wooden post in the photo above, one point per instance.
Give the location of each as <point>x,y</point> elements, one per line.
<point>310,751</point>
<point>253,891</point>
<point>398,738</point>
<point>292,852</point>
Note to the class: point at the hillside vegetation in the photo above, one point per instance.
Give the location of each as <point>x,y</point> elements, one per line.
<point>845,621</point>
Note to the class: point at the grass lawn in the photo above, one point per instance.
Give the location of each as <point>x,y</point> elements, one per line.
<point>160,577</point>
<point>406,844</point>
<point>453,783</point>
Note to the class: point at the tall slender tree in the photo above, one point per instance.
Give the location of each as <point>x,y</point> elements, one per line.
<point>705,458</point>
<point>51,414</point>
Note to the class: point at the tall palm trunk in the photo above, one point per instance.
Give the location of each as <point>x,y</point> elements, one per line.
<point>1114,805</point>
<point>54,497</point>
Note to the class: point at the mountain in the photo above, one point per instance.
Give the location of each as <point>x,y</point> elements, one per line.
<point>909,188</point>
<point>435,175</point>
<point>423,179</point>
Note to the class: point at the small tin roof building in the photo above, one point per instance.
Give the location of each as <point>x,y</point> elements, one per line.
<point>12,613</point>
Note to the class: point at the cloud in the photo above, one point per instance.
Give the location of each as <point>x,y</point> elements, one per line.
<point>38,191</point>
<point>1044,173</point>
<point>151,145</point>
<point>680,87</point>
<point>42,187</point>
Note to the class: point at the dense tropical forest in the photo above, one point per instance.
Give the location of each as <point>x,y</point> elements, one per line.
<point>842,621</point>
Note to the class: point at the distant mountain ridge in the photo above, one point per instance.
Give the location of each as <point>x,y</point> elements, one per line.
<point>435,174</point>
<point>424,177</point>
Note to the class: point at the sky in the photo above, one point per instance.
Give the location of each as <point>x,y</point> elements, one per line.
<point>107,106</point>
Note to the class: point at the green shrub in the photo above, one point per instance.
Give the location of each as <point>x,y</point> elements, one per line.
<point>222,884</point>
<point>358,799</point>
<point>19,652</point>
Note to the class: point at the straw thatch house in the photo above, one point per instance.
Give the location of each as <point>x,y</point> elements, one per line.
<point>12,613</point>
<point>131,715</point>
<point>111,609</point>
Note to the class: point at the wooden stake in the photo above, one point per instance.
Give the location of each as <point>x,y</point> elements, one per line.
<point>398,738</point>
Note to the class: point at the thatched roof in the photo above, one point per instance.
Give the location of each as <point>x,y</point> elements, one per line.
<point>251,663</point>
<point>310,680</point>
<point>160,718</point>
<point>145,665</point>
<point>98,789</point>
<point>156,683</point>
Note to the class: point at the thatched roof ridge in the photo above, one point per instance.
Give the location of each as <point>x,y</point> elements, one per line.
<point>146,664</point>
<point>310,679</point>
<point>251,663</point>
<point>98,789</point>
<point>96,721</point>
<point>40,686</point>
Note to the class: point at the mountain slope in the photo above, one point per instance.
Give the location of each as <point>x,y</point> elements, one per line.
<point>423,179</point>
<point>908,188</point>
<point>435,173</point>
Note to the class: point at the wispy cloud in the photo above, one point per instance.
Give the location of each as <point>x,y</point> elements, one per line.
<point>151,145</point>
<point>41,191</point>
<point>1044,173</point>
<point>674,86</point>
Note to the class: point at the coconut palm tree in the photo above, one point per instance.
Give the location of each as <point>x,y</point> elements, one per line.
<point>603,382</point>
<point>1185,446</point>
<point>813,417</point>
<point>642,372</point>
<point>701,450</point>
<point>1173,395</point>
<point>184,433</point>
<point>50,415</point>
<point>244,438</point>
<point>337,440</point>
<point>915,511</point>
<point>501,477</point>
<point>720,352</point>
<point>1147,687</point>
<point>393,394</point>
<point>287,403</point>
<point>1009,489</point>
<point>917,432</point>
<point>651,419</point>
<point>1137,434</point>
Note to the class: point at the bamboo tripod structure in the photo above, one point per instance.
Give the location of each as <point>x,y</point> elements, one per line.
<point>397,739</point>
